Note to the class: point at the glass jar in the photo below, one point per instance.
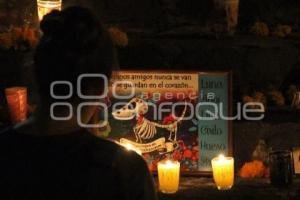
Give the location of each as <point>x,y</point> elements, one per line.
<point>281,170</point>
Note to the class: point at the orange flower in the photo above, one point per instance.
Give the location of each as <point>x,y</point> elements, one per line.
<point>119,37</point>
<point>19,38</point>
<point>260,29</point>
<point>29,35</point>
<point>187,153</point>
<point>255,169</point>
<point>5,40</point>
<point>17,33</point>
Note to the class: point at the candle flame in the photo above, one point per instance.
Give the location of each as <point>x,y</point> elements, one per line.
<point>169,162</point>
<point>130,147</point>
<point>221,157</point>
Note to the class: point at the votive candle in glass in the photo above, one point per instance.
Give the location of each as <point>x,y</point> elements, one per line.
<point>281,169</point>
<point>46,6</point>
<point>168,176</point>
<point>17,103</point>
<point>223,172</point>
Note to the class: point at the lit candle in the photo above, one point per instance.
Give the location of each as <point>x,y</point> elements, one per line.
<point>223,172</point>
<point>46,6</point>
<point>168,176</point>
<point>17,103</point>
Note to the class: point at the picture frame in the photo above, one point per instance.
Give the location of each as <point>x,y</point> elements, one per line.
<point>183,141</point>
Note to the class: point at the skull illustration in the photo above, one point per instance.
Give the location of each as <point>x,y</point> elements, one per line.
<point>134,108</point>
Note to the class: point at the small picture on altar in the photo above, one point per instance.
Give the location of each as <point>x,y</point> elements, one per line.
<point>296,159</point>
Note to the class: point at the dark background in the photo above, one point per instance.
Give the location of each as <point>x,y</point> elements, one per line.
<point>160,14</point>
<point>181,34</point>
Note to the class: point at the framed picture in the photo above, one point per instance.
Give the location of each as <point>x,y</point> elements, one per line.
<point>172,114</point>
<point>296,160</point>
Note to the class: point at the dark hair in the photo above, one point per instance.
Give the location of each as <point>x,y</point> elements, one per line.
<point>73,42</point>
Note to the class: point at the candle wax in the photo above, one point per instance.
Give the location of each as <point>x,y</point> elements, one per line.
<point>168,176</point>
<point>223,172</point>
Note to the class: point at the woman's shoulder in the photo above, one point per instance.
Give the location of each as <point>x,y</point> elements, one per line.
<point>117,154</point>
<point>99,151</point>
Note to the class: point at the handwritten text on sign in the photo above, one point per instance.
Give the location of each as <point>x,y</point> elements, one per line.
<point>213,134</point>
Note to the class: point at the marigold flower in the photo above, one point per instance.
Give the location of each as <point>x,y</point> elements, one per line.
<point>119,37</point>
<point>255,169</point>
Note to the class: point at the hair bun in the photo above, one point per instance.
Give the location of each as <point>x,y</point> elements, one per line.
<point>52,23</point>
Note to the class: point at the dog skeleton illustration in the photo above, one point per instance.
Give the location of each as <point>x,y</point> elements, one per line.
<point>146,129</point>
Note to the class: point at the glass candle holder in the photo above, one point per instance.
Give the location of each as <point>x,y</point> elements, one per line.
<point>168,176</point>
<point>281,170</point>
<point>223,172</point>
<point>46,6</point>
<point>17,103</point>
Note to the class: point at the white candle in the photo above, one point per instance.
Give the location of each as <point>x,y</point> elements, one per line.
<point>223,172</point>
<point>168,176</point>
<point>46,6</point>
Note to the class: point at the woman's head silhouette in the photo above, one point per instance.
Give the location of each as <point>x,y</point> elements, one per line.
<point>73,42</point>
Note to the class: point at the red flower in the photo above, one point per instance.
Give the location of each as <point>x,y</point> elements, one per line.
<point>146,156</point>
<point>187,153</point>
<point>177,155</point>
<point>168,119</point>
<point>195,148</point>
<point>151,167</point>
<point>181,144</point>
